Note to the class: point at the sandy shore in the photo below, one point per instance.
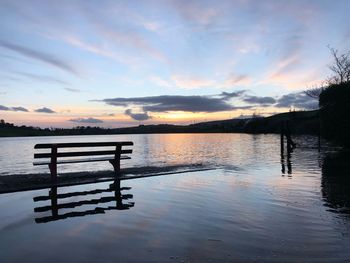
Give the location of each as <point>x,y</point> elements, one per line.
<point>24,182</point>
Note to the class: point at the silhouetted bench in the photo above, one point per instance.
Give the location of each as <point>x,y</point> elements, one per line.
<point>59,157</point>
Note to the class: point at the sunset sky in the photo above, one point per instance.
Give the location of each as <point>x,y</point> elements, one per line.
<point>125,63</point>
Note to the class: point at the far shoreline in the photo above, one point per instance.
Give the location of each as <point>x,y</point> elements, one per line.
<point>302,122</point>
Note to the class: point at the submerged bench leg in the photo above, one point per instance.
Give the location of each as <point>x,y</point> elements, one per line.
<point>53,171</point>
<point>53,164</point>
<point>116,161</point>
<point>53,198</point>
<point>116,166</point>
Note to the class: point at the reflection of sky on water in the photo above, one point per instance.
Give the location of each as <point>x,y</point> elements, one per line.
<point>247,210</point>
<point>240,150</point>
<point>201,215</point>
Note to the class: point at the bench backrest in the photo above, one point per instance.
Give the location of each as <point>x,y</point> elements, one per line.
<point>55,146</point>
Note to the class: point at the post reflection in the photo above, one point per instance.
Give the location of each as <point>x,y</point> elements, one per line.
<point>55,206</point>
<point>286,161</point>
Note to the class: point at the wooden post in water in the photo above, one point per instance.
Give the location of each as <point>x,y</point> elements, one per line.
<point>289,146</point>
<point>319,131</point>
<point>282,141</point>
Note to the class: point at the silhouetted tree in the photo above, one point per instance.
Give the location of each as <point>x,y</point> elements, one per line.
<point>341,73</point>
<point>315,91</point>
<point>340,67</point>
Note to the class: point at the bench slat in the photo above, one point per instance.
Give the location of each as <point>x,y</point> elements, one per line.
<point>82,160</point>
<point>97,210</point>
<point>82,193</point>
<point>101,200</point>
<point>82,144</point>
<point>75,154</point>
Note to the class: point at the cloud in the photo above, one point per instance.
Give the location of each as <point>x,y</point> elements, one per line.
<point>210,103</point>
<point>285,67</point>
<point>197,13</point>
<point>100,50</point>
<point>138,116</point>
<point>72,90</point>
<point>242,107</point>
<point>259,100</point>
<point>19,109</point>
<point>4,108</point>
<point>40,56</point>
<point>42,78</point>
<point>45,110</point>
<point>298,100</point>
<point>235,94</point>
<point>234,79</point>
<point>173,103</point>
<point>166,103</point>
<point>125,38</point>
<point>86,120</point>
<point>132,39</point>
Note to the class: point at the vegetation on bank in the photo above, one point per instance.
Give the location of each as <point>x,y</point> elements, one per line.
<point>334,100</point>
<point>11,130</point>
<point>334,104</point>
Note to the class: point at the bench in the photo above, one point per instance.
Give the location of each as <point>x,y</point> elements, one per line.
<point>55,156</point>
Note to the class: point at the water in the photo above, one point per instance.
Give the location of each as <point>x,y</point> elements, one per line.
<point>240,150</point>
<point>251,209</point>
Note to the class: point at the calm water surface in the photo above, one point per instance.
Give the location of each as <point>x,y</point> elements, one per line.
<point>240,150</point>
<point>256,207</point>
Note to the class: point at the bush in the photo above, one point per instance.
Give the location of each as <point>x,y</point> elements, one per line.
<point>334,113</point>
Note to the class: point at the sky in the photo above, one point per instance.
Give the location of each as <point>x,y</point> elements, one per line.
<point>125,63</point>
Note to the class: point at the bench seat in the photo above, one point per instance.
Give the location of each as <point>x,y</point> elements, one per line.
<point>82,160</point>
<point>113,155</point>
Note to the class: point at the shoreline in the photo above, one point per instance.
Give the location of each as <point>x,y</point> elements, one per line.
<point>303,122</point>
<point>27,182</point>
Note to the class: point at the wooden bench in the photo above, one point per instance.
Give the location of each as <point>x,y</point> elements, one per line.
<point>55,156</point>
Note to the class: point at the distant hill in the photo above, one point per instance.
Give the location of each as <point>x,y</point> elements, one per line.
<point>301,122</point>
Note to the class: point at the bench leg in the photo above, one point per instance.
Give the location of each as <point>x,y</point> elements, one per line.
<point>53,197</point>
<point>53,171</point>
<point>53,163</point>
<point>118,195</point>
<point>116,166</point>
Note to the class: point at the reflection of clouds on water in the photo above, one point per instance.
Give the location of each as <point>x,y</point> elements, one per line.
<point>241,150</point>
<point>336,182</point>
<point>194,216</point>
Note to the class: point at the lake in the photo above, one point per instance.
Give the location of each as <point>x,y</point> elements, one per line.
<point>254,206</point>
<point>236,150</point>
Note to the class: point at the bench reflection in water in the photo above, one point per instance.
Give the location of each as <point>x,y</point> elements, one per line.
<point>120,200</point>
